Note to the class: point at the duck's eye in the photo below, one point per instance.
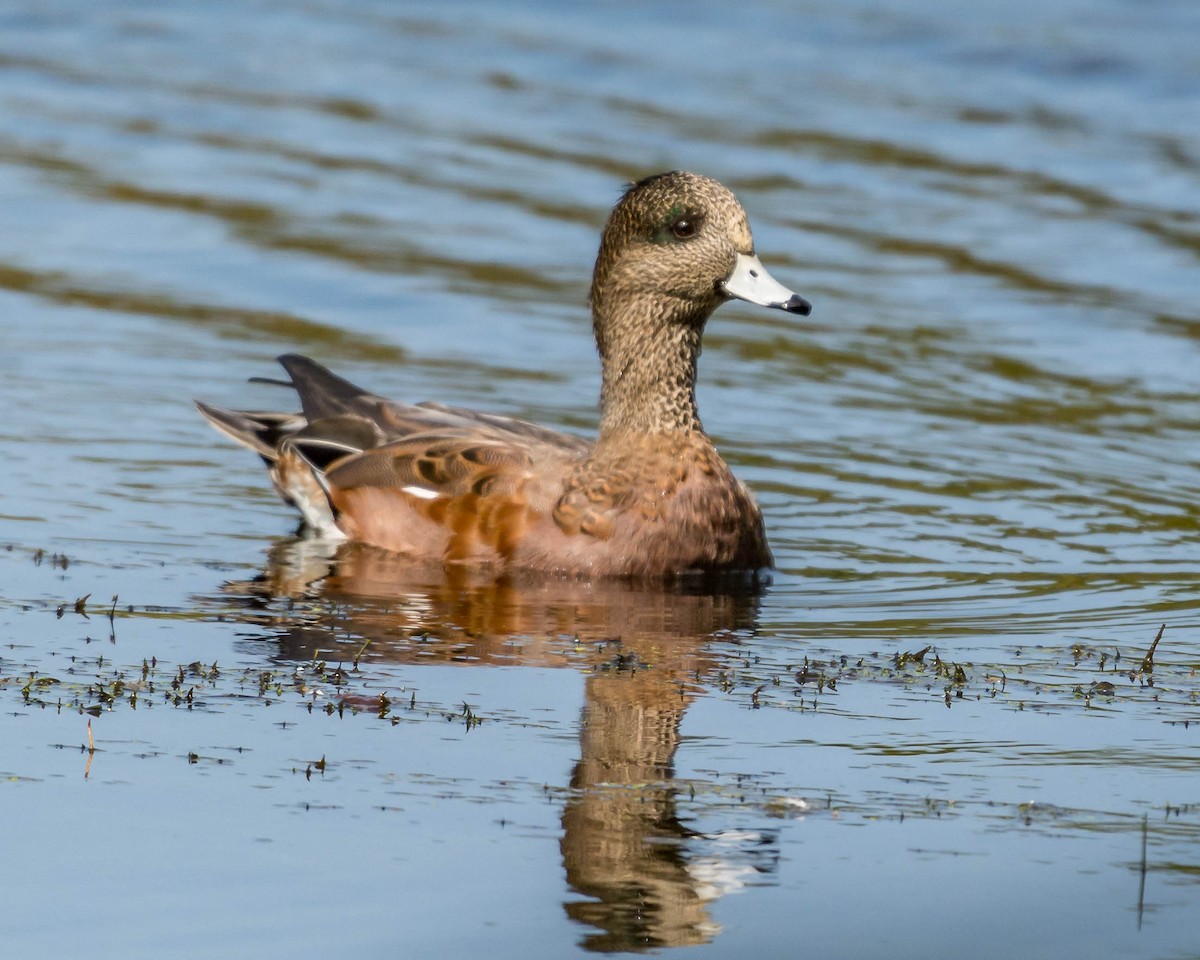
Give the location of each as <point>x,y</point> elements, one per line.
<point>683,228</point>
<point>678,225</point>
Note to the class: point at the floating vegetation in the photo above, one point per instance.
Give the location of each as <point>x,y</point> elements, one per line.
<point>1045,678</point>
<point>316,687</point>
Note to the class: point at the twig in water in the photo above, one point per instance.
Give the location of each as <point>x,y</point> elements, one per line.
<point>1148,659</point>
<point>1142,882</point>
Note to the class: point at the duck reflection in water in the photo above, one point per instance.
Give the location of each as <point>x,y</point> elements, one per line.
<point>646,880</point>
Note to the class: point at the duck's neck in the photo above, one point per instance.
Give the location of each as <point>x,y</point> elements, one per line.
<point>648,357</point>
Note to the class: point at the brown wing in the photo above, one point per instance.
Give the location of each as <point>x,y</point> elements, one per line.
<point>456,499</point>
<point>325,395</point>
<point>425,479</point>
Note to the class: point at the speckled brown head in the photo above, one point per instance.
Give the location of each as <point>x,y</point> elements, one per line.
<point>676,246</point>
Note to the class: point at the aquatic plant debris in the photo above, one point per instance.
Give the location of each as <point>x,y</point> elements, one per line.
<point>1044,677</point>
<point>343,675</point>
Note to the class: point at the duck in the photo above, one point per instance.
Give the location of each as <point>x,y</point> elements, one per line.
<point>649,498</point>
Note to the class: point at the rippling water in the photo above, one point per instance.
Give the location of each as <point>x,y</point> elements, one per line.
<point>982,441</point>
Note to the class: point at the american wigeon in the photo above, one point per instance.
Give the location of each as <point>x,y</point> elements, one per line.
<point>650,498</point>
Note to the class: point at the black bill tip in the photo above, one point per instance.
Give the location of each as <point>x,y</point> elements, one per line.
<point>797,304</point>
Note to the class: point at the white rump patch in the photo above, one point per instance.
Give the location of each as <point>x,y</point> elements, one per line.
<point>317,515</point>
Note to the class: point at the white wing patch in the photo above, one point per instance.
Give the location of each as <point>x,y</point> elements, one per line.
<point>421,492</point>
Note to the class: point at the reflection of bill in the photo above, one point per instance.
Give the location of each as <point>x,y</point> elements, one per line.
<point>652,880</point>
<point>649,880</point>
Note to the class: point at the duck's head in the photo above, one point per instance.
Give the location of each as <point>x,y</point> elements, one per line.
<point>676,246</point>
